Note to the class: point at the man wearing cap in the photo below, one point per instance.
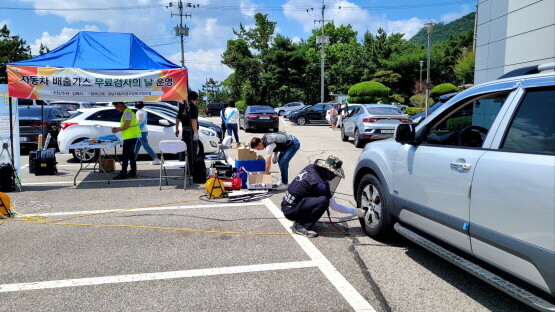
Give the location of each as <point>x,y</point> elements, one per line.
<point>130,132</point>
<point>278,142</point>
<point>309,195</point>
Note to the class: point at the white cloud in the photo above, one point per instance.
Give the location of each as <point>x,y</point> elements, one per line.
<point>203,64</point>
<point>449,17</point>
<point>344,12</point>
<point>5,22</point>
<point>296,39</point>
<point>53,41</point>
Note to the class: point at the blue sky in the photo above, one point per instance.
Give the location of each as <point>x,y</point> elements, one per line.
<point>211,24</point>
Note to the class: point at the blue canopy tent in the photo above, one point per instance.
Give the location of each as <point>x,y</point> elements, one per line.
<point>98,66</point>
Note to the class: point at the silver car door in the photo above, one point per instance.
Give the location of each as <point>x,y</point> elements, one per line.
<point>432,181</point>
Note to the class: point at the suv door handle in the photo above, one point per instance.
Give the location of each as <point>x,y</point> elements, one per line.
<point>461,166</point>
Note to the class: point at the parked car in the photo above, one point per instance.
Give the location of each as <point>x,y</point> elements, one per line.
<point>372,122</point>
<point>31,102</point>
<point>474,184</point>
<point>293,106</point>
<point>72,106</point>
<point>260,118</point>
<point>38,119</point>
<point>312,114</point>
<point>287,114</point>
<point>171,110</point>
<point>95,122</point>
<point>213,109</point>
<point>442,100</point>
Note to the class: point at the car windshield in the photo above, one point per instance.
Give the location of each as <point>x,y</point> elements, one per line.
<point>33,111</point>
<point>383,111</point>
<point>260,110</point>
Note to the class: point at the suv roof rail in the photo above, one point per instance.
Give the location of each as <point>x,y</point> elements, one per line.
<point>528,70</point>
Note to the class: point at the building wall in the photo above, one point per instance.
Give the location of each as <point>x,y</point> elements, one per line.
<point>512,34</point>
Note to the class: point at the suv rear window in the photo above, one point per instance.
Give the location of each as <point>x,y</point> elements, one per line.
<point>532,129</point>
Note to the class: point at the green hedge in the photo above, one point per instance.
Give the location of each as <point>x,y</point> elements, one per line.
<point>411,111</point>
<point>458,123</point>
<point>442,89</point>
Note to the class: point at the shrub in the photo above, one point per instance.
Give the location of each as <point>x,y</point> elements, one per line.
<point>442,89</point>
<point>418,100</point>
<point>411,111</point>
<point>369,90</point>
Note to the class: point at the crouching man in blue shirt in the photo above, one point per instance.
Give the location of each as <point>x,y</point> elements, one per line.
<point>309,195</point>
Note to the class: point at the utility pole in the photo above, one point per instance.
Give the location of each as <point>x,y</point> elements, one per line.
<point>420,84</point>
<point>180,30</point>
<point>322,40</point>
<point>429,25</point>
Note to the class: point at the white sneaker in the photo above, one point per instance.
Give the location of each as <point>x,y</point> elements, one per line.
<point>281,187</point>
<point>155,162</point>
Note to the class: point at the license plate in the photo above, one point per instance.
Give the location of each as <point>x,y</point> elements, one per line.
<point>388,131</point>
<point>23,139</point>
<point>263,117</point>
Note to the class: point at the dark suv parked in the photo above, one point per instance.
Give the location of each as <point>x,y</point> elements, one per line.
<point>213,109</point>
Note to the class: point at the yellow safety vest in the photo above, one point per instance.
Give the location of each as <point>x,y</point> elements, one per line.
<point>134,131</point>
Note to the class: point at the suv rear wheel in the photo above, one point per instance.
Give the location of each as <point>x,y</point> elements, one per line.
<point>301,121</point>
<point>371,197</point>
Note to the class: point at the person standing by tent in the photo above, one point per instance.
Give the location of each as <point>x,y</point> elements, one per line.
<point>231,118</point>
<point>188,117</point>
<point>130,132</point>
<point>143,140</point>
<point>222,117</point>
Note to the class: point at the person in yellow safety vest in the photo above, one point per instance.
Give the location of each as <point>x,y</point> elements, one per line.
<point>130,132</point>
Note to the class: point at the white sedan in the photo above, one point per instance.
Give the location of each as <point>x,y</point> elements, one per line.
<point>95,122</point>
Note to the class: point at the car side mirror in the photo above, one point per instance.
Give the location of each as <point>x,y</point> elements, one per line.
<point>418,120</point>
<point>164,122</point>
<point>406,134</point>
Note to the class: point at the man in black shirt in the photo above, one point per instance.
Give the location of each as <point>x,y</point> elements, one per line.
<point>188,116</point>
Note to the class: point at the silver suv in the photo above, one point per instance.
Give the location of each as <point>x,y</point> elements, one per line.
<point>475,184</point>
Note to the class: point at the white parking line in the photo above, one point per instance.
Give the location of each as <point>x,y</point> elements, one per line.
<point>155,276</point>
<point>70,213</point>
<point>283,119</point>
<point>353,297</point>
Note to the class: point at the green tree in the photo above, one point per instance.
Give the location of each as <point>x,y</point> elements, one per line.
<point>260,36</point>
<point>12,49</point>
<point>464,68</point>
<point>283,78</point>
<point>368,92</point>
<point>215,91</point>
<point>246,66</point>
<point>43,49</point>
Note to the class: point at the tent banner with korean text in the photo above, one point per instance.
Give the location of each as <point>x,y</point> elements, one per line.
<point>74,84</point>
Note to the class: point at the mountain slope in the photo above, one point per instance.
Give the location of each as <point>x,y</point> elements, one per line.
<point>442,32</point>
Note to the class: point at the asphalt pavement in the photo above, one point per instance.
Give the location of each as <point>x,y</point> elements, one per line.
<point>128,246</point>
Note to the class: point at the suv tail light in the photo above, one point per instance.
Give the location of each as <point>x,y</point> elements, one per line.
<point>250,117</point>
<point>67,124</point>
<point>405,120</point>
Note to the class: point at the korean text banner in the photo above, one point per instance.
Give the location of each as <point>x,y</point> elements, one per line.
<point>73,84</point>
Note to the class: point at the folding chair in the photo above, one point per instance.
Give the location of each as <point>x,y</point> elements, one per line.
<point>173,147</point>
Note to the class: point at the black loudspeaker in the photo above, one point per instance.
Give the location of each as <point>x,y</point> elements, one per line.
<point>7,178</point>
